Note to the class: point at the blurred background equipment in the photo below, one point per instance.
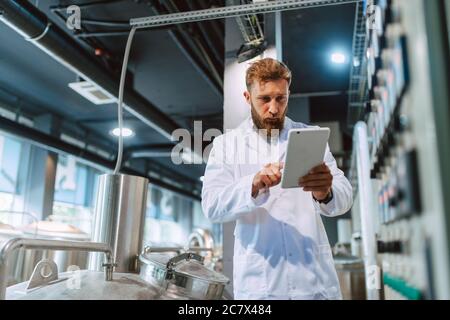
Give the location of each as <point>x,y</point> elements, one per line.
<point>379,80</point>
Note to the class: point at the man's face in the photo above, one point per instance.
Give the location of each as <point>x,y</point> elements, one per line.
<point>268,101</point>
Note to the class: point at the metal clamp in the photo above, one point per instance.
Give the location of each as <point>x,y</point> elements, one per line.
<point>17,243</point>
<point>185,256</point>
<point>40,36</point>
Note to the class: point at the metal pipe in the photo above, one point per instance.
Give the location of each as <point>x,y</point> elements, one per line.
<point>31,23</point>
<point>113,33</point>
<point>149,249</point>
<point>17,243</point>
<point>210,42</point>
<point>215,65</point>
<point>87,4</point>
<point>182,44</point>
<point>369,242</point>
<point>51,143</point>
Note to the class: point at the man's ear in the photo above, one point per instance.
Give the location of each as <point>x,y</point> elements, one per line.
<point>247,97</point>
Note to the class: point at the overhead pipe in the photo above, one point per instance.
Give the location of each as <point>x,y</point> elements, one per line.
<point>196,62</point>
<point>34,25</point>
<point>54,144</point>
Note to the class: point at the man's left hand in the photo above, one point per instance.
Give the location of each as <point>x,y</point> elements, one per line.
<point>319,181</point>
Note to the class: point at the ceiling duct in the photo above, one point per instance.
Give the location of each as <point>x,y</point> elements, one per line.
<point>34,25</point>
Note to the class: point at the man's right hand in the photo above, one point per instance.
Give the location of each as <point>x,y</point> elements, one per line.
<point>268,177</point>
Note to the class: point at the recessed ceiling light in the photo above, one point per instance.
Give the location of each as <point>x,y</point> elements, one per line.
<point>126,132</point>
<point>338,58</point>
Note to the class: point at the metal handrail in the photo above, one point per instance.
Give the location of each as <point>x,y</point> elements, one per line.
<point>10,246</point>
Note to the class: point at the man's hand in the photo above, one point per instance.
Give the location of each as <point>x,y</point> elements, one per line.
<point>268,177</point>
<point>319,180</point>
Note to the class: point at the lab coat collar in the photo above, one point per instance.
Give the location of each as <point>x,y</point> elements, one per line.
<point>253,141</point>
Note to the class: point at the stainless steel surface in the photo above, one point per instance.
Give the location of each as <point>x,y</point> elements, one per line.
<point>204,238</point>
<point>17,243</point>
<point>178,250</point>
<point>50,230</point>
<point>92,286</point>
<point>8,232</point>
<point>231,11</point>
<point>119,219</point>
<point>11,226</point>
<point>45,272</point>
<point>201,238</point>
<point>365,191</point>
<point>182,276</point>
<point>350,272</point>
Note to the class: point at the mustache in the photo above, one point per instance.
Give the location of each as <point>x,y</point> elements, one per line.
<point>273,120</point>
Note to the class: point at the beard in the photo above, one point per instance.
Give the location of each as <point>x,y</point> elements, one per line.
<point>273,126</point>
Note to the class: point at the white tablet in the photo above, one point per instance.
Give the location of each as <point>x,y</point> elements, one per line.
<point>305,150</point>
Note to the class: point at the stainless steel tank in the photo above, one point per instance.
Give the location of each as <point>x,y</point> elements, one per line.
<point>118,229</point>
<point>351,276</point>
<point>8,232</point>
<point>119,219</point>
<point>163,276</point>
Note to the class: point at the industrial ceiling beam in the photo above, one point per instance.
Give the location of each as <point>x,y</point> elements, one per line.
<point>34,25</point>
<point>232,11</point>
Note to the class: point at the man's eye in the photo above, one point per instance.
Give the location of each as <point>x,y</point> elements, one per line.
<point>281,99</point>
<point>265,99</point>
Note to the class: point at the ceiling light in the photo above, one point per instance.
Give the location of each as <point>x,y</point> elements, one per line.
<point>201,178</point>
<point>92,92</point>
<point>126,132</point>
<point>338,58</point>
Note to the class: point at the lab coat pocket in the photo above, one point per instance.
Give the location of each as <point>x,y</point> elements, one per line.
<point>250,274</point>
<point>326,273</point>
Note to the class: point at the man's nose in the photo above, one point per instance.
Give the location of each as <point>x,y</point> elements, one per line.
<point>273,108</point>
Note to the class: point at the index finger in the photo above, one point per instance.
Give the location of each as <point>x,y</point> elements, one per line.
<point>279,165</point>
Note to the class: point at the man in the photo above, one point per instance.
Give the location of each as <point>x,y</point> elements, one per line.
<point>281,249</point>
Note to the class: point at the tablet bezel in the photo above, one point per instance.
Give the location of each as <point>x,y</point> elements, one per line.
<point>319,143</point>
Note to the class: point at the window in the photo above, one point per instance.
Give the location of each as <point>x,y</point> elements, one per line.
<point>10,200</point>
<point>75,187</point>
<point>170,219</point>
<point>164,219</point>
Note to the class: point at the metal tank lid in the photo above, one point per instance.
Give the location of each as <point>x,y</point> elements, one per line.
<point>342,260</point>
<point>195,269</point>
<point>187,265</point>
<point>160,259</point>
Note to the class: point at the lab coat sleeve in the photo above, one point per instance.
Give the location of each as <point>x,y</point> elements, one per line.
<point>225,198</point>
<point>342,191</point>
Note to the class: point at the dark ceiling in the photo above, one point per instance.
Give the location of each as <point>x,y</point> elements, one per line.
<point>163,71</point>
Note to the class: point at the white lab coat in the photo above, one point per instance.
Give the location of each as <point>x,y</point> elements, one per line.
<point>281,249</point>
